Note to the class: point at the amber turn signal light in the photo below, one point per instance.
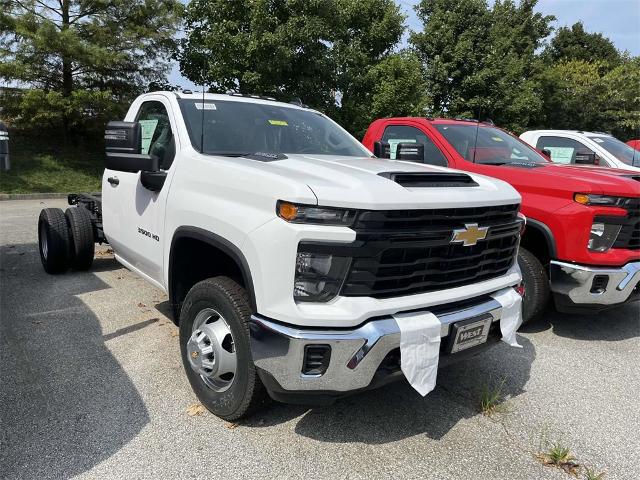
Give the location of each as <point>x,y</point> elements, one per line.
<point>581,198</point>
<point>287,211</point>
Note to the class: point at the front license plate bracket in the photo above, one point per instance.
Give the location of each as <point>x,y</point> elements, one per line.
<point>469,333</point>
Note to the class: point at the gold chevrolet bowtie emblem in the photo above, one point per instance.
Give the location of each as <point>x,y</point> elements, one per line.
<point>469,235</point>
<point>194,354</point>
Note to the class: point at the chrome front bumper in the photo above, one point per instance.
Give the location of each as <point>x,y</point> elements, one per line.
<point>584,285</point>
<point>356,354</point>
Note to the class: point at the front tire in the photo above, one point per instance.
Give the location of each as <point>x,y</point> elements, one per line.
<point>216,350</point>
<point>53,240</point>
<point>536,286</point>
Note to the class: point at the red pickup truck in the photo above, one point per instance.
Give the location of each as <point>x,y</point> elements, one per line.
<point>582,240</point>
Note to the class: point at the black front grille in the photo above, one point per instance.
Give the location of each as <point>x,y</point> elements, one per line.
<point>404,252</point>
<point>629,236</point>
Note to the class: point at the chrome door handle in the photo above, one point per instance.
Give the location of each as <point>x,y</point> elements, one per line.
<point>113,181</point>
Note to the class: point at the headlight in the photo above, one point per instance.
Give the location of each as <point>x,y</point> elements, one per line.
<point>602,200</point>
<point>296,213</point>
<point>319,277</point>
<point>603,236</point>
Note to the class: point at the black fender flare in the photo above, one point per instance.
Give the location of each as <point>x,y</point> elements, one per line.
<point>221,244</point>
<point>546,233</point>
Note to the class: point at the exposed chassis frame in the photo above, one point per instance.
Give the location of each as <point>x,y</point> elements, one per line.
<point>92,203</point>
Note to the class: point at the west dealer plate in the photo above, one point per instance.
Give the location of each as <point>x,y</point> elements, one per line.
<point>469,333</point>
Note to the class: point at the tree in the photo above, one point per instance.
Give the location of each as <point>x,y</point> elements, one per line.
<point>398,88</point>
<point>366,34</point>
<point>589,96</point>
<point>576,44</point>
<point>318,50</point>
<point>482,60</point>
<point>259,46</point>
<point>623,99</point>
<point>78,58</point>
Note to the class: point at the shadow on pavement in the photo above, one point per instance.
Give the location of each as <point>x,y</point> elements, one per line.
<point>396,411</point>
<point>66,403</point>
<point>614,325</point>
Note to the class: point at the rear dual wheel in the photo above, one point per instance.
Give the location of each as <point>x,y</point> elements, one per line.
<point>65,239</point>
<point>81,239</point>
<point>53,240</point>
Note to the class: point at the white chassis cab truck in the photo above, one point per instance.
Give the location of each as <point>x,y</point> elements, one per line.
<point>298,266</point>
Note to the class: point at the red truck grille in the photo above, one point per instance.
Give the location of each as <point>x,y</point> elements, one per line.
<point>408,252</point>
<point>629,236</point>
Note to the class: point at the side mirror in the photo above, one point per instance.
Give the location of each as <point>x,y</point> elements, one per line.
<point>123,145</point>
<point>381,149</point>
<point>546,153</point>
<point>412,152</point>
<point>586,157</point>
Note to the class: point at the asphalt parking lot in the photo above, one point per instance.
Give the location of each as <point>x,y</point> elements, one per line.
<point>92,386</point>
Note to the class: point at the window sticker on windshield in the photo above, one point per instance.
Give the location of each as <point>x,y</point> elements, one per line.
<point>148,127</point>
<point>280,123</point>
<point>599,140</point>
<point>497,139</point>
<point>393,145</point>
<point>205,106</point>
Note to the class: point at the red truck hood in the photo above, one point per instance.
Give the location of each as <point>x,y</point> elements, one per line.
<point>571,179</point>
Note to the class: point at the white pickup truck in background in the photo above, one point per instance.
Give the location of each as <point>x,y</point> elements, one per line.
<point>296,264</point>
<point>590,148</point>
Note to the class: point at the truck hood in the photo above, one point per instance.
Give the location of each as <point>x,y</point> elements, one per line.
<point>572,179</point>
<point>356,182</point>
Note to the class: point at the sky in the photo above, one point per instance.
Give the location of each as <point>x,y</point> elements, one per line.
<point>618,20</point>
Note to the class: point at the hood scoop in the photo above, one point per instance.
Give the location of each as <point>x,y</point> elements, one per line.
<point>430,179</point>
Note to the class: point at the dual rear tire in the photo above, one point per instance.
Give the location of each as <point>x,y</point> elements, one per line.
<point>65,239</point>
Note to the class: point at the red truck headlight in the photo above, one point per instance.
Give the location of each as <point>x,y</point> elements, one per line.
<point>603,236</point>
<point>598,200</point>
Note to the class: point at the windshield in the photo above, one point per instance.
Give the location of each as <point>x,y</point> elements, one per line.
<point>494,147</point>
<point>618,149</point>
<point>237,128</point>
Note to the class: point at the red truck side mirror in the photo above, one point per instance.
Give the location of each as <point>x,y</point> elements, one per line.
<point>412,152</point>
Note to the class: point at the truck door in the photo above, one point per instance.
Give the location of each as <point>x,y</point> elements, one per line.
<point>133,216</point>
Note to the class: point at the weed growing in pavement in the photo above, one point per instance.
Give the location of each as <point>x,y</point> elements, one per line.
<point>492,399</point>
<point>559,456</point>
<point>590,474</point>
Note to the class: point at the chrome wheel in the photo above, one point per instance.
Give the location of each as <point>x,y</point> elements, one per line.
<point>211,350</point>
<point>44,245</point>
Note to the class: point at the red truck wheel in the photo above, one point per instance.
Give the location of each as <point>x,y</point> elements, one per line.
<point>536,286</point>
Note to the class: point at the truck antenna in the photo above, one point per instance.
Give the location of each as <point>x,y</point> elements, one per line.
<point>202,117</point>
<point>633,155</point>
<point>475,143</point>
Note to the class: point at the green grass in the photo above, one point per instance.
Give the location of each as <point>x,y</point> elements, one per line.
<point>492,399</point>
<point>590,474</point>
<point>559,456</point>
<point>42,165</point>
